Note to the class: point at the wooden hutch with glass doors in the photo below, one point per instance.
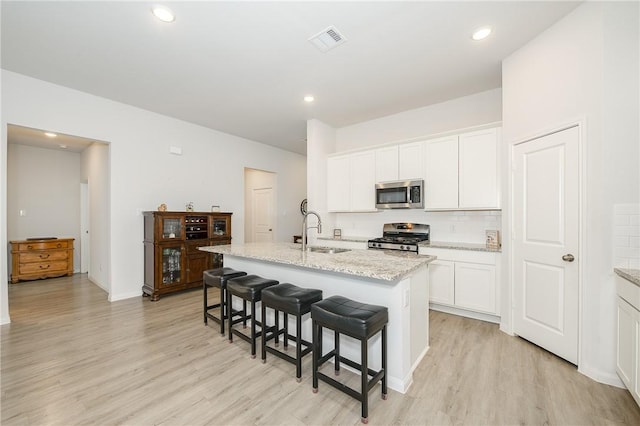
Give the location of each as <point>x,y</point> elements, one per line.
<point>172,261</point>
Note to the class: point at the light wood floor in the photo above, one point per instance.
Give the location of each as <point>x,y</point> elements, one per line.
<point>71,357</point>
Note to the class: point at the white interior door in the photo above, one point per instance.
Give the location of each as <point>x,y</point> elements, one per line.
<point>262,203</point>
<point>546,219</point>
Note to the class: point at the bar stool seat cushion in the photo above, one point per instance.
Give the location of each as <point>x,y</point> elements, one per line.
<point>350,317</point>
<point>212,276</point>
<point>290,298</point>
<point>249,287</point>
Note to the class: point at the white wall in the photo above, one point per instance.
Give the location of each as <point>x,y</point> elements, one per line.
<point>45,183</point>
<point>586,67</point>
<point>143,173</point>
<point>95,172</point>
<point>321,141</point>
<point>468,111</point>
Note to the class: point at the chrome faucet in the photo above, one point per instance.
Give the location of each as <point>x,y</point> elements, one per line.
<point>305,228</point>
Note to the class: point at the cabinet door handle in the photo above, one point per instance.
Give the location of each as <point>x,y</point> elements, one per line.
<point>568,258</point>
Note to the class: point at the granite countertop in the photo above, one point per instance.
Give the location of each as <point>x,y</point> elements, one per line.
<point>460,246</point>
<point>632,275</point>
<point>377,264</point>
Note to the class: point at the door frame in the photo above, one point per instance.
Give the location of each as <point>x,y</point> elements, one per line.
<point>580,123</point>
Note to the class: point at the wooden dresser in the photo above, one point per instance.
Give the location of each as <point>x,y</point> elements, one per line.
<point>36,259</point>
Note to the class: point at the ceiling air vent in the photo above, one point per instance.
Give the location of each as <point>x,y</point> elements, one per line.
<point>327,39</point>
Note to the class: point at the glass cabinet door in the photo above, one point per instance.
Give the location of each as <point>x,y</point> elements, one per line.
<point>220,227</point>
<point>171,228</point>
<point>172,265</point>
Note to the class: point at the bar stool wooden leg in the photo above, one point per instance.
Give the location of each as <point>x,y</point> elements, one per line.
<point>263,343</point>
<point>384,362</point>
<point>336,361</point>
<point>204,298</point>
<point>230,305</point>
<point>364,380</point>
<point>298,348</point>
<point>316,353</point>
<point>276,340</point>
<point>253,329</point>
<point>224,312</point>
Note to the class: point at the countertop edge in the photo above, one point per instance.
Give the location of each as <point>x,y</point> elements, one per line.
<point>228,250</point>
<point>631,275</point>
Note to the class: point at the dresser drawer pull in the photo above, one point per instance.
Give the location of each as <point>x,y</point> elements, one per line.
<point>30,247</point>
<point>44,256</point>
<point>45,266</point>
<point>59,245</point>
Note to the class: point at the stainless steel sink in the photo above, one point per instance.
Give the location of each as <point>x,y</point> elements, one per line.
<point>330,250</point>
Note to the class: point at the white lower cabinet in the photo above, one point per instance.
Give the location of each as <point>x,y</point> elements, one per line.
<point>475,287</point>
<point>464,283</point>
<point>441,281</point>
<point>628,336</point>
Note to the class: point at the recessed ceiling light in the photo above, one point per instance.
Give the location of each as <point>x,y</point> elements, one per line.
<point>49,134</point>
<point>481,33</point>
<point>309,98</point>
<point>163,13</point>
<point>62,146</point>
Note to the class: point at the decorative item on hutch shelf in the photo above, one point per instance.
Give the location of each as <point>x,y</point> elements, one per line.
<point>215,209</point>
<point>493,239</point>
<point>162,207</point>
<point>189,206</point>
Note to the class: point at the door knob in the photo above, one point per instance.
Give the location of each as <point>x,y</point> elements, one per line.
<point>568,258</point>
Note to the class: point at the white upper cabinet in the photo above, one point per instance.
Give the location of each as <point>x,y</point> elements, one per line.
<point>387,163</point>
<point>351,182</point>
<point>441,182</point>
<point>410,165</point>
<point>478,170</point>
<point>462,171</point>
<point>400,162</point>
<point>363,181</point>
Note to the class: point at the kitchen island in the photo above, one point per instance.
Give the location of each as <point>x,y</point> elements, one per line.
<point>397,280</point>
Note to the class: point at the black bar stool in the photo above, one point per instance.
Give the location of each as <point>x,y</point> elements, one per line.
<point>288,299</point>
<point>249,289</point>
<point>218,278</point>
<point>360,321</point>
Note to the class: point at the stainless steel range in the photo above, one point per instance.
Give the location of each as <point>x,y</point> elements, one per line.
<point>401,236</point>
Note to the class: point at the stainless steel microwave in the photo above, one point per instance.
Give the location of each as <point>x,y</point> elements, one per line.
<point>405,194</point>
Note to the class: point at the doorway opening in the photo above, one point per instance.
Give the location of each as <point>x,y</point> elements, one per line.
<point>58,186</point>
<point>260,205</point>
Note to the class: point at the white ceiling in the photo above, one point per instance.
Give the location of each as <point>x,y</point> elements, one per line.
<point>21,135</point>
<point>244,67</point>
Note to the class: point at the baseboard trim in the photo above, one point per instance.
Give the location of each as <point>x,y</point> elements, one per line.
<point>600,376</point>
<point>123,296</point>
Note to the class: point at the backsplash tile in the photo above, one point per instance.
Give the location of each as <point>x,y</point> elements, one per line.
<point>626,236</point>
<point>446,226</point>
